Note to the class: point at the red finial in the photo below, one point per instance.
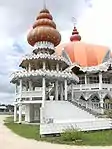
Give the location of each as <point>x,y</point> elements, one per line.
<point>75,34</point>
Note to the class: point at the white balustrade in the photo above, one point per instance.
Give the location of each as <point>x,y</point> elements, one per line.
<point>48,73</point>
<point>94,86</point>
<point>107,86</point>
<point>28,94</point>
<point>94,106</point>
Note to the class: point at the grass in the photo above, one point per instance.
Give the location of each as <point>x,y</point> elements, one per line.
<point>95,138</point>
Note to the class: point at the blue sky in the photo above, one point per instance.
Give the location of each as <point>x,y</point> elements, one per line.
<point>94,22</point>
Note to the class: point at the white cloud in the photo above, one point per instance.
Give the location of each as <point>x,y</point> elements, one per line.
<point>96,24</point>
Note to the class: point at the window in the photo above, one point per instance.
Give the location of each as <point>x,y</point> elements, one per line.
<point>93,79</point>
<point>106,80</point>
<point>81,80</point>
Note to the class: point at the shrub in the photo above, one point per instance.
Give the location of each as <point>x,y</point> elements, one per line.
<point>108,113</point>
<point>71,135</point>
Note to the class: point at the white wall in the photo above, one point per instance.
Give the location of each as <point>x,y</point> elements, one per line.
<point>64,111</point>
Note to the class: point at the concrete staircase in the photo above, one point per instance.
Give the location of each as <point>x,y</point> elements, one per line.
<point>64,111</point>
<point>61,115</point>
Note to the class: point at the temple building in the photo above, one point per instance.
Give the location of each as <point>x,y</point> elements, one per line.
<point>93,65</point>
<point>60,85</point>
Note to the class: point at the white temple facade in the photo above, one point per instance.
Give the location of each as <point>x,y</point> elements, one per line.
<point>45,75</point>
<point>54,87</point>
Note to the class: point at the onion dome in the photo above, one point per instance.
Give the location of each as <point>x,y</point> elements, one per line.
<point>75,35</point>
<point>44,29</point>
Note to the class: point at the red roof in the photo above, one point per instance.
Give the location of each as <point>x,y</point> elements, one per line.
<point>84,54</point>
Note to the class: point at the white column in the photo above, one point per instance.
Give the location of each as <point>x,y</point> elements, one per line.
<point>85,79</point>
<point>72,92</point>
<point>20,89</point>
<point>29,110</point>
<point>61,85</point>
<point>57,67</point>
<point>30,85</point>
<point>44,66</point>
<point>57,84</point>
<point>26,113</point>
<point>101,102</point>
<point>101,105</point>
<point>43,91</point>
<point>15,88</point>
<point>15,91</point>
<point>20,113</point>
<point>30,88</point>
<point>29,67</point>
<point>42,120</point>
<point>56,90</point>
<point>65,89</point>
<point>15,113</point>
<point>100,80</point>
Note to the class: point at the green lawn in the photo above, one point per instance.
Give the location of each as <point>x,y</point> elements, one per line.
<point>96,138</point>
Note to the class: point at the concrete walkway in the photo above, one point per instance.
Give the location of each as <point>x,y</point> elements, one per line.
<point>9,140</point>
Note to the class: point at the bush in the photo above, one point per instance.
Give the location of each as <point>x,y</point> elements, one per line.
<point>108,113</point>
<point>71,135</point>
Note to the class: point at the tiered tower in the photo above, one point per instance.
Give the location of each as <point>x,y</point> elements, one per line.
<point>45,75</point>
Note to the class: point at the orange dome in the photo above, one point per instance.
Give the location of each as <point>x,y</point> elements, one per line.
<point>44,29</point>
<point>85,55</point>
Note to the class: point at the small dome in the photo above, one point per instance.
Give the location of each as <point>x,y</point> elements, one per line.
<point>44,29</point>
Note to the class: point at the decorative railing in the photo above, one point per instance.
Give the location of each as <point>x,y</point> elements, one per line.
<point>28,94</point>
<point>48,73</point>
<point>94,86</point>
<point>46,56</point>
<point>44,44</point>
<point>32,94</point>
<point>93,107</point>
<point>107,86</point>
<point>90,107</point>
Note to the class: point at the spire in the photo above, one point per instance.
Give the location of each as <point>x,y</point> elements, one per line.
<point>44,3</point>
<point>75,34</point>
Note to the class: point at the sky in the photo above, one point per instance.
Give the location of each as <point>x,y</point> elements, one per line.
<point>94,23</point>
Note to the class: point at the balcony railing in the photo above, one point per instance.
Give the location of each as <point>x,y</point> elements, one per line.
<point>28,94</point>
<point>94,86</point>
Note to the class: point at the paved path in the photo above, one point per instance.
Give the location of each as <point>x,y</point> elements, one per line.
<point>9,140</point>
